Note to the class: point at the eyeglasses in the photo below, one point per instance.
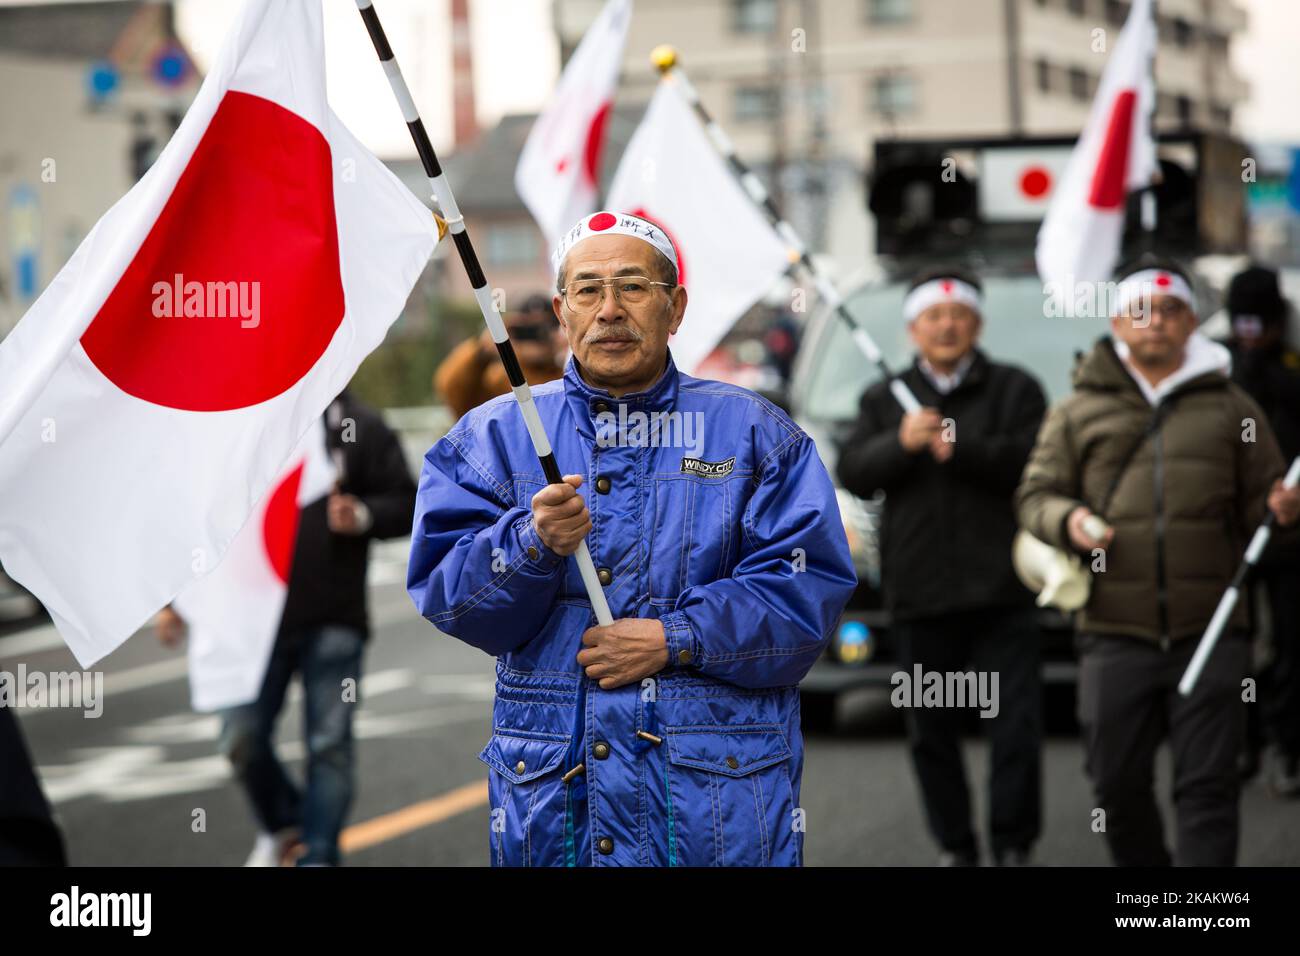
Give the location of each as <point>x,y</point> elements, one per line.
<point>586,295</point>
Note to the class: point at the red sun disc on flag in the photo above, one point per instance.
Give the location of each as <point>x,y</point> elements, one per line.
<point>1110,178</point>
<point>595,145</point>
<point>280,524</point>
<point>1035,182</point>
<point>677,246</point>
<point>235,293</point>
<point>601,221</point>
<point>946,286</point>
<point>1163,281</point>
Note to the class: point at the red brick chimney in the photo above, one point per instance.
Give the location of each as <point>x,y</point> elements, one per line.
<point>465,123</point>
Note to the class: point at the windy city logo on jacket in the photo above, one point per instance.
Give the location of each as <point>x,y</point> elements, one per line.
<point>638,429</point>
<point>708,469</point>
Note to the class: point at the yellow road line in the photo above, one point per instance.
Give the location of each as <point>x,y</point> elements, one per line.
<point>426,813</point>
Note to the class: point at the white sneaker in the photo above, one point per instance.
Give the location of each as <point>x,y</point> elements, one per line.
<point>265,851</point>
<point>273,849</point>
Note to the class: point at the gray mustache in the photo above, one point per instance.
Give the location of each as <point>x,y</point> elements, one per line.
<point>614,335</point>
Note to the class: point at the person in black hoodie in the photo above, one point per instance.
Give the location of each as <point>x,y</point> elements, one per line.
<point>322,635</point>
<point>1269,370</point>
<point>948,473</point>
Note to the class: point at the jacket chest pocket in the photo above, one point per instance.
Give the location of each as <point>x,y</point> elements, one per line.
<point>732,800</point>
<point>696,532</point>
<point>527,798</point>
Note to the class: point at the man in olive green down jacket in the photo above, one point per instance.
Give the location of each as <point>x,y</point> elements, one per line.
<point>1182,465</point>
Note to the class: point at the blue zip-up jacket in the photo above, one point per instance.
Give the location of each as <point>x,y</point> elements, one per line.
<point>710,511</point>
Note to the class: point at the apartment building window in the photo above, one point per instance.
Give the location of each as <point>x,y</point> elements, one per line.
<point>513,244</point>
<point>889,11</point>
<point>1080,88</point>
<point>753,16</point>
<point>1182,31</point>
<point>753,103</point>
<point>893,94</point>
<point>1043,75</point>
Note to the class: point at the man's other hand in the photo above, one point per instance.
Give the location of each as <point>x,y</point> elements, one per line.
<point>1284,503</point>
<point>347,514</point>
<point>624,652</point>
<point>170,627</point>
<point>560,516</point>
<point>918,429</point>
<point>1080,539</point>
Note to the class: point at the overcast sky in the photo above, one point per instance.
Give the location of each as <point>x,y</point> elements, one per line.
<point>516,62</point>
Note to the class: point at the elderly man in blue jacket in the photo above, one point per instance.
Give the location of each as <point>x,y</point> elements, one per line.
<point>670,737</point>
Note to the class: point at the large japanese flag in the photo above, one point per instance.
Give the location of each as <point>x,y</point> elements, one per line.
<point>234,612</point>
<point>560,164</point>
<point>156,388</point>
<point>1083,230</point>
<point>728,253</point>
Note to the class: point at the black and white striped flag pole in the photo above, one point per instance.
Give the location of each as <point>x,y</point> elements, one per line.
<point>665,60</point>
<point>469,259</point>
<point>1228,603</point>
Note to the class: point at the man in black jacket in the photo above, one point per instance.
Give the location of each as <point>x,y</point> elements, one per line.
<point>1269,371</point>
<point>948,473</point>
<point>322,635</point>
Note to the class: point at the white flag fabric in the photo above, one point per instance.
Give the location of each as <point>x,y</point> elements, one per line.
<point>156,388</point>
<point>728,252</point>
<point>234,612</point>
<point>1083,230</point>
<point>560,164</point>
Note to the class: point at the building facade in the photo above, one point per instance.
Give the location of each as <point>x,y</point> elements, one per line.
<point>806,87</point>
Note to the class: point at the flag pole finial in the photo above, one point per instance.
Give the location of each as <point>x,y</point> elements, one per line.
<point>664,57</point>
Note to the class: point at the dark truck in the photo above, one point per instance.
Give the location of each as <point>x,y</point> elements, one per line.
<point>977,202</point>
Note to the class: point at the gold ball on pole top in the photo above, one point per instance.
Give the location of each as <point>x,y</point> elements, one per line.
<point>664,57</point>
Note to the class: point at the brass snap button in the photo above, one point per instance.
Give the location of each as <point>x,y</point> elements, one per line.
<point>603,485</point>
<point>604,576</point>
<point>733,763</point>
<point>533,553</point>
<point>605,846</point>
<point>683,656</point>
<point>601,750</point>
<point>519,767</point>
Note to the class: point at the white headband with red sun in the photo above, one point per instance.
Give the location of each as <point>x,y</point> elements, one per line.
<point>938,291</point>
<point>1140,286</point>
<point>613,224</point>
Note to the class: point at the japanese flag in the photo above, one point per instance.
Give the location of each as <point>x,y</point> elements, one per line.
<point>560,164</point>
<point>154,391</point>
<point>728,254</point>
<point>234,612</point>
<point>1083,230</point>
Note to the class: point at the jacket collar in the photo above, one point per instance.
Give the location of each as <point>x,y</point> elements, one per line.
<point>974,374</point>
<point>586,401</point>
<point>1103,370</point>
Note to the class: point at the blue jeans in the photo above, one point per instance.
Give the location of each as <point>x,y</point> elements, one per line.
<point>326,657</point>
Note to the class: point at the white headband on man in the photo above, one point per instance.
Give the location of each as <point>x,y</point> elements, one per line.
<point>937,291</point>
<point>1142,285</point>
<point>613,224</point>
